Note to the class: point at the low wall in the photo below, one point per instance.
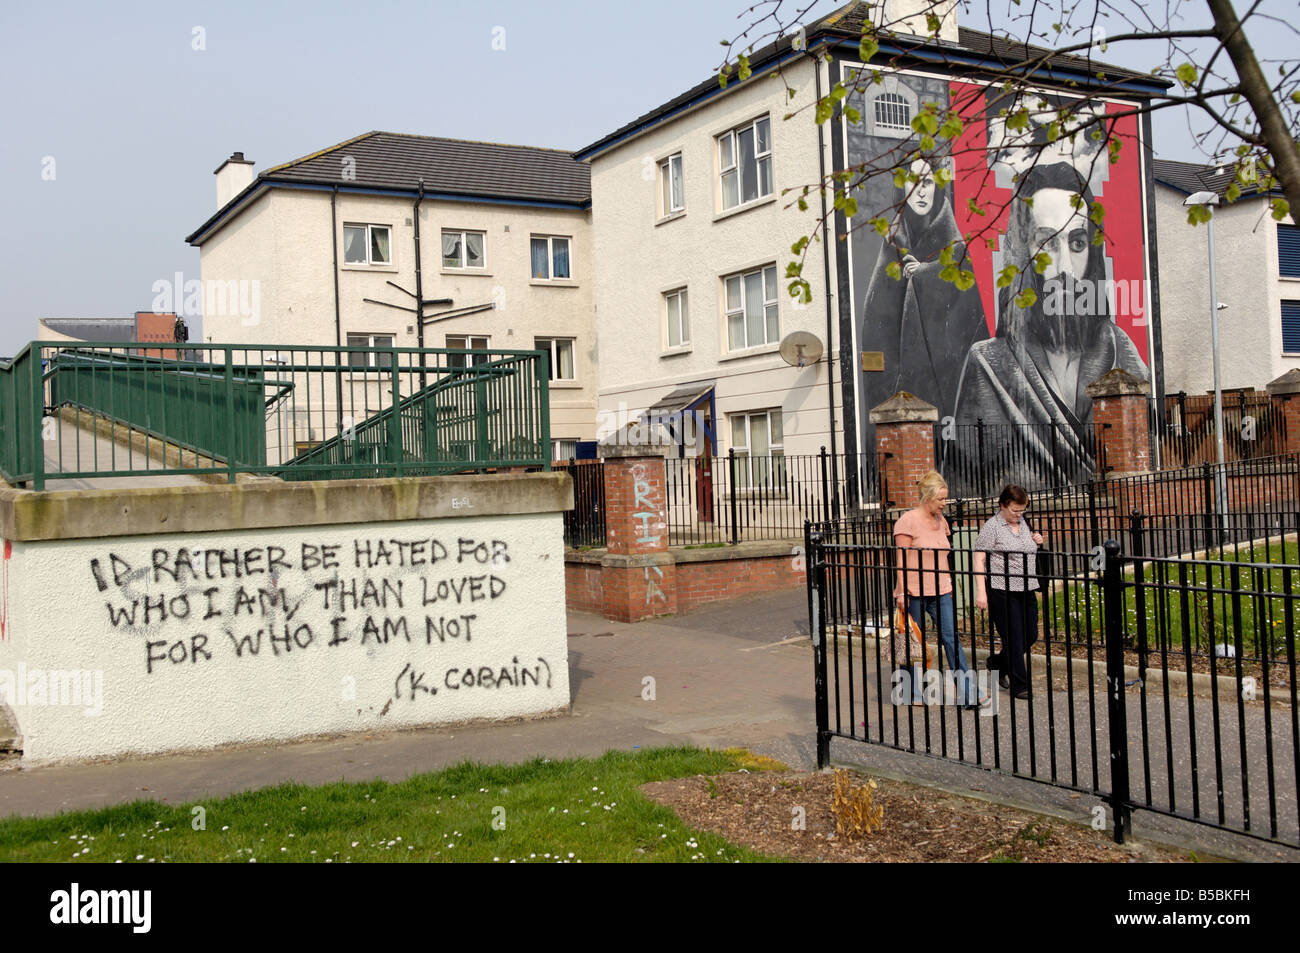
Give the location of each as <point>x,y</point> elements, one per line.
<point>697,577</point>
<point>148,620</point>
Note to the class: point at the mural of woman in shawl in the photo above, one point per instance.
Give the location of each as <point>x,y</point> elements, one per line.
<point>923,325</point>
<point>1037,368</point>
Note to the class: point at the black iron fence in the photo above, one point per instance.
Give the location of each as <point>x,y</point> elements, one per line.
<point>1183,429</point>
<point>741,497</point>
<point>978,459</point>
<point>1155,683</point>
<point>584,525</point>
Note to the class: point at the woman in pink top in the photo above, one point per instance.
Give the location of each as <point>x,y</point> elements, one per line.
<point>924,576</point>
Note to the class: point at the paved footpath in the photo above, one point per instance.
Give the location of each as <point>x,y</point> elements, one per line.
<point>736,675</point>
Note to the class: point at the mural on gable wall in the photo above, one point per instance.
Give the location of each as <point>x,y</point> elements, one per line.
<point>977,354</point>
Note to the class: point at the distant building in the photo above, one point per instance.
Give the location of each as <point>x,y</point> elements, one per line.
<point>141,327</point>
<point>1257,275</point>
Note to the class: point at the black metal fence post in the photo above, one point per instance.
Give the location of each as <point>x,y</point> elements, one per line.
<point>1117,716</point>
<point>735,503</point>
<point>826,496</point>
<point>817,627</point>
<point>979,444</point>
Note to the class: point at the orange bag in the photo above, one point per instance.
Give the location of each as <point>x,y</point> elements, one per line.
<point>903,622</point>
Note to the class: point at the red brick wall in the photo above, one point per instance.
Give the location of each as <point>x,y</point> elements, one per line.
<point>699,584</point>
<point>1123,435</point>
<point>636,505</point>
<point>910,449</point>
<point>640,593</point>
<point>1287,407</point>
<point>583,587</point>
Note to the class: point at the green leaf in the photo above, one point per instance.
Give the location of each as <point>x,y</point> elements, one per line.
<point>952,127</point>
<point>1026,298</point>
<point>1186,75</point>
<point>1097,213</point>
<point>927,143</point>
<point>798,247</point>
<point>1053,132</point>
<point>1018,120</point>
<point>803,204</point>
<point>1041,262</point>
<point>1196,214</point>
<point>839,92</point>
<point>744,72</point>
<point>1281,209</point>
<point>881,224</point>
<point>945,254</point>
<point>868,48</point>
<point>1007,275</point>
<point>948,273</point>
<point>974,208</point>
<point>792,93</point>
<point>900,178</point>
<point>1113,148</point>
<point>1233,192</point>
<point>850,206</point>
<point>824,110</point>
<point>852,115</point>
<point>932,23</point>
<point>965,280</point>
<point>925,121</point>
<point>894,271</point>
<point>941,177</point>
<point>1295,97</point>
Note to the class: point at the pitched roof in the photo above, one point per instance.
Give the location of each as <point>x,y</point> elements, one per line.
<point>93,329</point>
<point>1192,177</point>
<point>846,24</point>
<point>396,162</point>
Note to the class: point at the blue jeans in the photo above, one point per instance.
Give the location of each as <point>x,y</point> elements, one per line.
<point>940,610</point>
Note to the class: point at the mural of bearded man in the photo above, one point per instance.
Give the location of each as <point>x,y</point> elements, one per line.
<point>1036,369</point>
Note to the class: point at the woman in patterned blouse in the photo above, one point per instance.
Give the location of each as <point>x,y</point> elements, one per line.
<point>1006,548</point>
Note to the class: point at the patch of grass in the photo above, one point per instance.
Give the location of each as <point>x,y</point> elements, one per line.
<point>707,546</point>
<point>744,758</point>
<point>584,809</point>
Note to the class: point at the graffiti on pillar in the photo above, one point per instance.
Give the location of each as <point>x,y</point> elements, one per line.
<point>1018,351</point>
<point>645,508</point>
<point>653,593</point>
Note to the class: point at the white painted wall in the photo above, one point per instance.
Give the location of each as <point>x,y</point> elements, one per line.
<point>283,242</point>
<point>56,603</point>
<point>1247,280</point>
<point>642,255</point>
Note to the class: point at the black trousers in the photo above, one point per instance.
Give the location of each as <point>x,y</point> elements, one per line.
<point>1015,616</point>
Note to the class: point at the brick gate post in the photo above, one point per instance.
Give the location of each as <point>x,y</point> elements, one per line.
<point>1120,423</point>
<point>904,446</point>
<point>1284,392</point>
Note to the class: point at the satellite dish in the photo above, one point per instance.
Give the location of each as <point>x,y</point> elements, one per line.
<point>800,348</point>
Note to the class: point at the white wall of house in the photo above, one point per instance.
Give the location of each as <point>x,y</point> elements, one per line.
<point>645,253</point>
<point>283,242</point>
<point>1247,281</point>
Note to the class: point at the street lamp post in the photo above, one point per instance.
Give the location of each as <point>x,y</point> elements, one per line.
<point>1220,480</point>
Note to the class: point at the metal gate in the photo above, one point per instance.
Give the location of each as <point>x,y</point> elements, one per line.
<point>1166,684</point>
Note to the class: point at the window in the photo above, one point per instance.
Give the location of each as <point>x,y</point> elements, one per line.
<point>760,451</point>
<point>564,449</point>
<point>893,112</point>
<point>751,309</point>
<point>366,245</point>
<point>1288,251</point>
<point>745,163</point>
<point>462,249</point>
<point>1291,327</point>
<point>679,326</point>
<point>361,359</point>
<point>550,256</point>
<point>561,351</point>
<point>670,175</point>
<point>462,342</point>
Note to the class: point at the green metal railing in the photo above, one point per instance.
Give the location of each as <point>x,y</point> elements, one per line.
<point>296,412</point>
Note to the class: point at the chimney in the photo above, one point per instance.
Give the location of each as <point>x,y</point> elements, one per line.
<point>233,176</point>
<point>908,17</point>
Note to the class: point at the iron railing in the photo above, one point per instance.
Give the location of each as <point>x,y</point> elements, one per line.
<point>1154,683</point>
<point>293,411</point>
<point>739,497</point>
<point>977,459</point>
<point>584,525</point>
<point>1183,431</point>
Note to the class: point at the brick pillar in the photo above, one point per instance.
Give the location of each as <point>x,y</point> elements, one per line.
<point>904,446</point>
<point>1285,395</point>
<point>1120,423</point>
<point>638,575</point>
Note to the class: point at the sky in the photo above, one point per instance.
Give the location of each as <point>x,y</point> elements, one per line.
<point>116,114</point>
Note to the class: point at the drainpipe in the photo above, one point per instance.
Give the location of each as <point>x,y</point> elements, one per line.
<point>338,320</point>
<point>826,277</point>
<point>419,286</point>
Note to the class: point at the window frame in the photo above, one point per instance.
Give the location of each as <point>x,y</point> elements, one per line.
<point>774,477</point>
<point>771,299</point>
<point>665,185</point>
<point>733,137</point>
<point>550,257</point>
<point>556,442</point>
<point>373,366</point>
<point>464,234</point>
<point>468,346</point>
<point>551,343</point>
<point>370,228</point>
<point>1282,322</point>
<point>683,319</point>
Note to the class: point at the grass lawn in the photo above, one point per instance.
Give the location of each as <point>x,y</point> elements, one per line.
<point>1197,605</point>
<point>580,810</point>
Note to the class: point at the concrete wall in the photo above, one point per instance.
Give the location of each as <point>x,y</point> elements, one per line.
<point>643,254</point>
<point>273,611</point>
<point>1246,277</point>
<point>283,242</point>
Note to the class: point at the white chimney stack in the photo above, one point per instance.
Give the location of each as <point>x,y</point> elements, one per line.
<point>908,17</point>
<point>233,176</point>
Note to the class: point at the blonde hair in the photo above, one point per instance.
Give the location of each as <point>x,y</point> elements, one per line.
<point>930,484</point>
